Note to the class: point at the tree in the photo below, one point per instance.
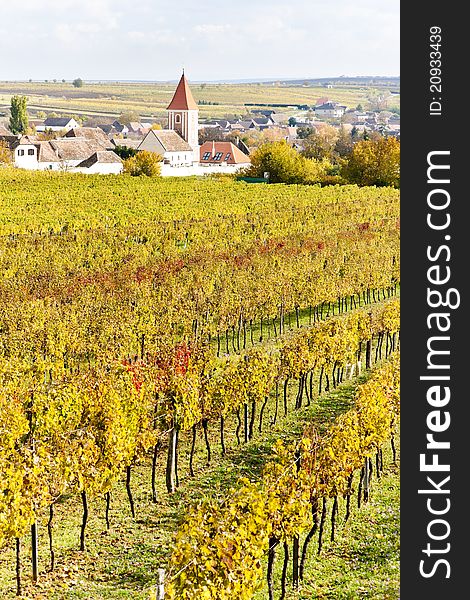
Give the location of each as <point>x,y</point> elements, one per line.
<point>129,116</point>
<point>255,138</point>
<point>78,83</point>
<point>285,165</point>
<point>19,115</point>
<point>79,118</point>
<point>143,163</point>
<point>304,131</point>
<point>5,154</point>
<point>379,100</point>
<point>374,162</point>
<point>354,134</point>
<point>344,143</point>
<point>321,144</point>
<point>125,152</point>
<point>49,134</point>
<point>292,122</point>
<point>212,134</point>
<point>278,159</point>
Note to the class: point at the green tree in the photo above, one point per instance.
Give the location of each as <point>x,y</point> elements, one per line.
<point>285,165</point>
<point>374,162</point>
<point>125,152</point>
<point>78,83</point>
<point>18,114</point>
<point>292,121</point>
<point>143,163</point>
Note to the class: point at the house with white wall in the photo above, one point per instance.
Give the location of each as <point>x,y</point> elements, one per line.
<point>225,155</point>
<point>102,162</point>
<point>330,110</point>
<point>176,151</point>
<point>25,152</point>
<point>64,154</point>
<point>57,124</point>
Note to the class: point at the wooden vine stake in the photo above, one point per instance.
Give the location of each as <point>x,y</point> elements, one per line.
<point>34,551</point>
<point>18,566</point>
<point>161,585</point>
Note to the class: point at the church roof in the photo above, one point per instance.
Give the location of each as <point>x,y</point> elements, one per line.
<point>183,98</point>
<point>171,141</point>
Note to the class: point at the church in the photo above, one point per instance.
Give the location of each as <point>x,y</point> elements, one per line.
<point>179,144</point>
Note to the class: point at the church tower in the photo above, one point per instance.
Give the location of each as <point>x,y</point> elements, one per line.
<point>183,115</point>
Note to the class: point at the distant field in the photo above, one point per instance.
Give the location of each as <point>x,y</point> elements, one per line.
<point>151,99</point>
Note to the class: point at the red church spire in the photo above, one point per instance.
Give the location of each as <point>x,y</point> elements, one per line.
<point>183,98</point>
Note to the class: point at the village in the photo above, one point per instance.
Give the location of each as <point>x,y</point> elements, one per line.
<point>187,145</point>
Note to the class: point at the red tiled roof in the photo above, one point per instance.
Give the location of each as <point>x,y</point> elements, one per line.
<point>236,155</point>
<point>183,98</point>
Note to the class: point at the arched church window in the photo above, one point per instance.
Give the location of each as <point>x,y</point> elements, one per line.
<point>178,119</point>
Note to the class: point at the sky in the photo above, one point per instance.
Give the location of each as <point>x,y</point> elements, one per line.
<point>212,39</point>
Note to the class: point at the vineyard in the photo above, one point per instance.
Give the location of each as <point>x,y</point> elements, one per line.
<point>150,329</point>
<point>151,99</point>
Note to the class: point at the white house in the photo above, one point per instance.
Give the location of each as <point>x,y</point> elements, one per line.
<point>64,154</point>
<point>330,110</point>
<point>225,155</point>
<point>102,162</point>
<point>25,152</point>
<point>57,124</point>
<point>175,150</point>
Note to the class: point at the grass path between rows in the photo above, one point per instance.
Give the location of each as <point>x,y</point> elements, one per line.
<point>123,562</point>
<point>363,561</point>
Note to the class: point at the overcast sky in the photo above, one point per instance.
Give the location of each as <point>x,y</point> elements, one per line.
<point>212,39</point>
